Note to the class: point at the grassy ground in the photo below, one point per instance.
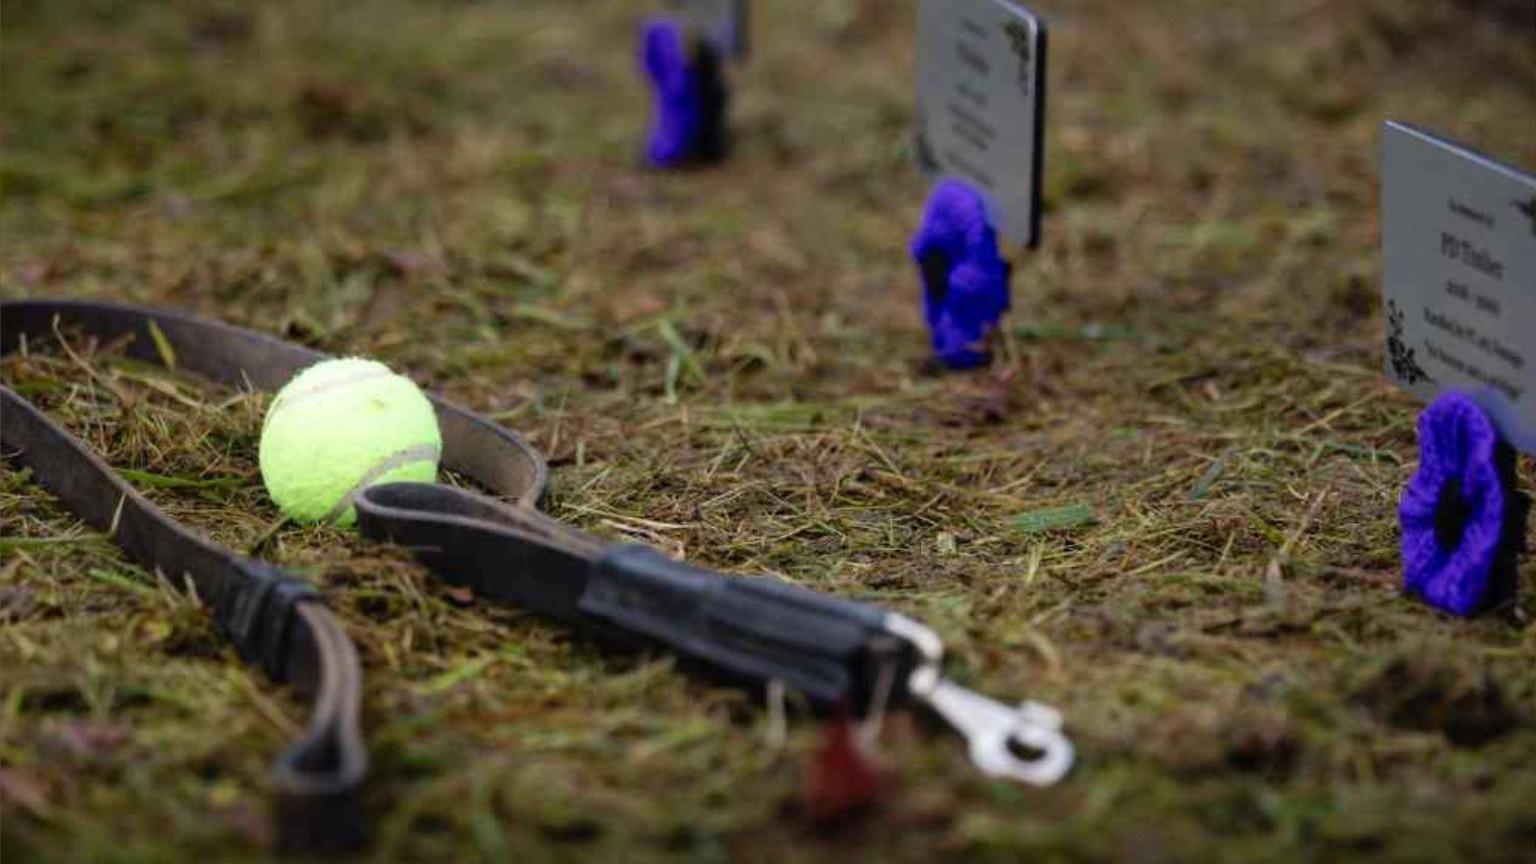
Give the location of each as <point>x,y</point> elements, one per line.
<point>730,364</point>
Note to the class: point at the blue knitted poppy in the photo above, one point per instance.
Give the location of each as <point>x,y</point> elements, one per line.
<point>965,279</point>
<point>1456,510</point>
<point>688,108</point>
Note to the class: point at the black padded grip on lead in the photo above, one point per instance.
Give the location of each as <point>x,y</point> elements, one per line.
<point>750,630</point>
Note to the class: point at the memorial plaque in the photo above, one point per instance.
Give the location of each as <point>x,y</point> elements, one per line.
<point>1458,239</point>
<point>981,105</point>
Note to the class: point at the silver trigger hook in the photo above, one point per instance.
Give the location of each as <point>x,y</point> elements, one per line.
<point>1024,744</point>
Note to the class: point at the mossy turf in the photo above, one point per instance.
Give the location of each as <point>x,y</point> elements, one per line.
<point>1167,508</point>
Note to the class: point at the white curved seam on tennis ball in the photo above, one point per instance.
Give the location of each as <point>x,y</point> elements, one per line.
<point>398,459</point>
<point>288,399</point>
<point>374,371</point>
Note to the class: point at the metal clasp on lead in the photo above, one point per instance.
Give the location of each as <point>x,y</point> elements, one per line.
<point>1024,744</point>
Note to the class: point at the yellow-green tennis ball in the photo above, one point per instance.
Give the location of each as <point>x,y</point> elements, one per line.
<point>341,426</point>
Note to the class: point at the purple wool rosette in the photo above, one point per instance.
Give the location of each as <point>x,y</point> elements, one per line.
<point>965,279</point>
<point>1462,519</point>
<point>688,97</point>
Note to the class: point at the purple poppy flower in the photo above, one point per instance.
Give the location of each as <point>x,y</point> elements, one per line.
<point>1459,511</point>
<point>688,117</point>
<point>965,279</point>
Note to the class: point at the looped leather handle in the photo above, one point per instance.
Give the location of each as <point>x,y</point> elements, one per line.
<point>273,619</point>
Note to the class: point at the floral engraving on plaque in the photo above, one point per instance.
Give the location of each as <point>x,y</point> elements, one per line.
<point>1023,46</point>
<point>1529,209</point>
<point>1404,365</point>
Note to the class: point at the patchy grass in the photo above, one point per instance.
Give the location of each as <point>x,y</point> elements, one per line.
<point>1168,507</point>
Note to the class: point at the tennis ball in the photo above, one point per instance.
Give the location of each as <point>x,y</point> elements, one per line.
<point>341,426</point>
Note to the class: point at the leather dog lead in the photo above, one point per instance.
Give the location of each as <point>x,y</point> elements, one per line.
<point>751,631</point>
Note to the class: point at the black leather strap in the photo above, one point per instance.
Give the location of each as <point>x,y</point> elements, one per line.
<point>740,630</point>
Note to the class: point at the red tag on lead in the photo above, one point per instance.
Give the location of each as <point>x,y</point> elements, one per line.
<point>844,779</point>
